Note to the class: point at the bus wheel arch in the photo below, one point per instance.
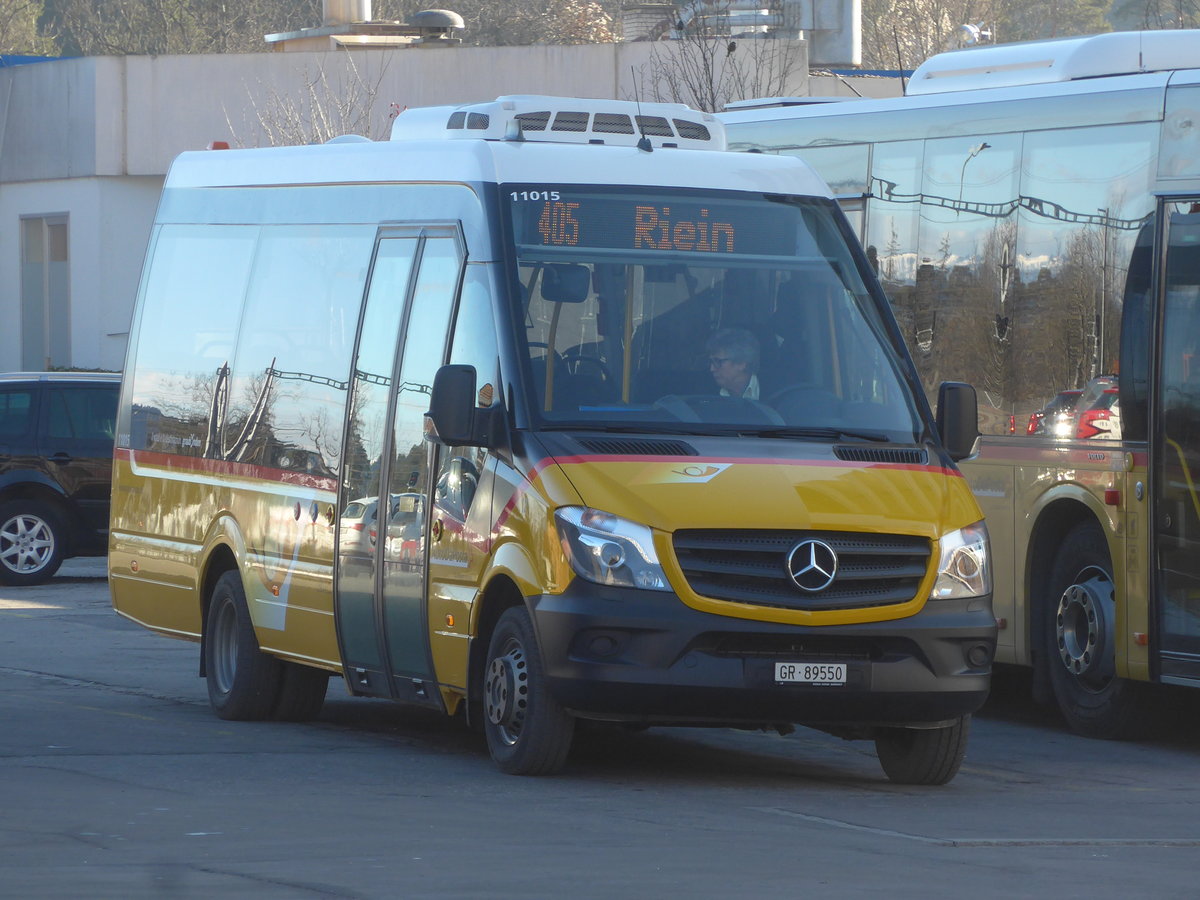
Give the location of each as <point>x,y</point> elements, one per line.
<point>500,595</point>
<point>527,732</point>
<point>1054,523</point>
<point>220,561</point>
<point>243,681</point>
<point>1075,611</point>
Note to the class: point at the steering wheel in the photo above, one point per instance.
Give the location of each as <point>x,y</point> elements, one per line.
<point>789,392</point>
<point>575,360</point>
<point>801,401</point>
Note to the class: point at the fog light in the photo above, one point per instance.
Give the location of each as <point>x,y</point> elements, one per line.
<point>979,656</point>
<point>602,645</point>
<point>599,644</point>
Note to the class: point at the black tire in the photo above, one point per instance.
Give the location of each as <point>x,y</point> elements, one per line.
<point>1080,640</point>
<point>528,733</point>
<point>243,682</point>
<point>929,756</point>
<point>301,693</point>
<point>32,542</point>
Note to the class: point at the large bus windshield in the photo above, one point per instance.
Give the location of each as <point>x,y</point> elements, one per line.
<point>700,311</point>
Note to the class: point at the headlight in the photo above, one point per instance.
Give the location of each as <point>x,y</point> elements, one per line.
<point>609,550</point>
<point>964,569</point>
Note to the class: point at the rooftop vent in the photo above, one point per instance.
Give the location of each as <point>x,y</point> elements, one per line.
<point>565,120</point>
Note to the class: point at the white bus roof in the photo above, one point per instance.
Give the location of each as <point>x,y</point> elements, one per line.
<point>492,161</point>
<point>1006,72</point>
<point>1065,59</point>
<point>565,120</point>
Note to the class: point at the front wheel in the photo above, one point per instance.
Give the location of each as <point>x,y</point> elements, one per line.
<point>1080,633</point>
<point>528,733</point>
<point>243,682</point>
<point>928,756</point>
<point>31,542</point>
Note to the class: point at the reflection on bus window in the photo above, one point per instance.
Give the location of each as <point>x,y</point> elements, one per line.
<point>633,337</point>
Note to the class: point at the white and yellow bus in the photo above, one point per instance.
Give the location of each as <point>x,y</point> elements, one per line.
<point>543,411</point>
<point>1033,211</point>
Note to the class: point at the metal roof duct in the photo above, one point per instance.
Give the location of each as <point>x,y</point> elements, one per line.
<point>345,12</point>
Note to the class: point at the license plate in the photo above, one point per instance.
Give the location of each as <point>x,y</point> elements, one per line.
<point>810,673</point>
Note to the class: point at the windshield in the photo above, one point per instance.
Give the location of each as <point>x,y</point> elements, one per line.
<point>699,312</point>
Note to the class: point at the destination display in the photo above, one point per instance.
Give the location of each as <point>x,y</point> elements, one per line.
<point>566,217</point>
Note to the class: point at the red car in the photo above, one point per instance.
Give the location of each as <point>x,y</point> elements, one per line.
<point>1057,410</point>
<point>1102,421</point>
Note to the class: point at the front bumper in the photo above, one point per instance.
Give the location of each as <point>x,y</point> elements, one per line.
<point>628,655</point>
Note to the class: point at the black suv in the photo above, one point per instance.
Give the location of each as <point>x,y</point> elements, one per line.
<point>56,447</point>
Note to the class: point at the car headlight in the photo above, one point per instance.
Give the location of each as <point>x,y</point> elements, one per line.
<point>607,549</point>
<point>964,569</point>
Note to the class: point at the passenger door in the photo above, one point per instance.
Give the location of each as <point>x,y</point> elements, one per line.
<point>76,441</point>
<point>1177,454</point>
<point>380,603</point>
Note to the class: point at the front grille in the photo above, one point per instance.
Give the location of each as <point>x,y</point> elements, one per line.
<point>751,567</point>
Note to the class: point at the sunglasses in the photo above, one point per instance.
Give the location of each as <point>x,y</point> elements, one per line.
<point>715,362</point>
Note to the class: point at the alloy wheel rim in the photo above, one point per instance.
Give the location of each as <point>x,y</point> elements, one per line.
<point>26,544</point>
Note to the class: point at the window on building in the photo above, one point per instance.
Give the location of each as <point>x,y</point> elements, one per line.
<point>45,293</point>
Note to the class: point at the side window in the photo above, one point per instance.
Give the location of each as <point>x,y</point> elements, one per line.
<point>474,345</point>
<point>192,302</point>
<point>287,386</point>
<point>963,298</point>
<point>16,414</point>
<point>1083,253</point>
<point>81,414</point>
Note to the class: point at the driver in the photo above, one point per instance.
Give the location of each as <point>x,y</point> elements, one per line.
<point>733,360</point>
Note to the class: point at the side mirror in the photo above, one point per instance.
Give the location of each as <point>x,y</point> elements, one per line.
<point>958,419</point>
<point>452,406</point>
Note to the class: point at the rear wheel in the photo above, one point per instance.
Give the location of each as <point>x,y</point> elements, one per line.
<point>32,541</point>
<point>243,682</point>
<point>923,755</point>
<point>528,733</point>
<point>1081,639</point>
<point>301,693</point>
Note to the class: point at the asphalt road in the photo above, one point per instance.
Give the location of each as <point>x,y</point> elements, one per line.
<point>116,781</point>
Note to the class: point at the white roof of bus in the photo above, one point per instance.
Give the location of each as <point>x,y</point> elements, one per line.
<point>478,161</point>
<point>1065,67</point>
<point>1063,59</point>
<point>949,100</point>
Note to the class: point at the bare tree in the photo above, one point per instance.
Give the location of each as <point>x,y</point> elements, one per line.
<point>707,72</point>
<point>1156,14</point>
<point>337,95</point>
<point>902,34</point>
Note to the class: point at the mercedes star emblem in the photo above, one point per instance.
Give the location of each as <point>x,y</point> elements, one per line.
<point>812,564</point>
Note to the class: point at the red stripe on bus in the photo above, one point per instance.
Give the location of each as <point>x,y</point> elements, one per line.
<point>177,462</point>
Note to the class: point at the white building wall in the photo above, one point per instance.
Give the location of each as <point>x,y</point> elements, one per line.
<point>108,222</point>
